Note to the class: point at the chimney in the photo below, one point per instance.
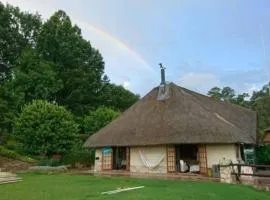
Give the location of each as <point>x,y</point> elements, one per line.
<point>163,91</point>
<point>162,74</point>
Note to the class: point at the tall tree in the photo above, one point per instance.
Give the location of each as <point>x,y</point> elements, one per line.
<point>117,97</point>
<point>17,31</point>
<point>35,78</point>
<point>260,102</point>
<point>78,65</point>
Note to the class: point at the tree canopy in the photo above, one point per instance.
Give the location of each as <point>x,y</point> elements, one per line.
<point>50,60</point>
<point>97,119</point>
<point>259,102</point>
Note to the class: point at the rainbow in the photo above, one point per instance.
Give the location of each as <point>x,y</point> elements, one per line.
<point>92,27</point>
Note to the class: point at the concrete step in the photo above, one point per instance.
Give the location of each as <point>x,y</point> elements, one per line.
<point>10,180</point>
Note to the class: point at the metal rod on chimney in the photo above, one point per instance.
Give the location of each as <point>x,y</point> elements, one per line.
<point>162,74</point>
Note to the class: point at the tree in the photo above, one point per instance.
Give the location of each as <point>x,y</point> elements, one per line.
<point>215,92</point>
<point>227,94</point>
<point>117,97</point>
<point>10,103</point>
<point>97,119</point>
<point>77,64</point>
<point>17,31</point>
<point>35,78</point>
<point>241,100</point>
<point>45,128</point>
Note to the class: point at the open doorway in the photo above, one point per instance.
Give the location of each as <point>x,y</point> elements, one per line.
<point>120,158</point>
<point>186,158</point>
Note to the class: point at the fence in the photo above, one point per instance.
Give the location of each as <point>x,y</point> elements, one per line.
<point>257,175</point>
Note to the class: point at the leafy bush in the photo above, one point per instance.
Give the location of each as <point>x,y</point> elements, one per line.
<point>3,137</point>
<point>263,155</point>
<point>11,145</point>
<point>45,161</point>
<point>99,118</point>
<point>79,155</point>
<point>12,154</point>
<point>44,129</point>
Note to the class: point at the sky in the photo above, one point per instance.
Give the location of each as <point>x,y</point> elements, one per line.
<point>202,44</point>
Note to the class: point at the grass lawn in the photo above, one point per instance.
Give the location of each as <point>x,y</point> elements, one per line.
<point>80,187</point>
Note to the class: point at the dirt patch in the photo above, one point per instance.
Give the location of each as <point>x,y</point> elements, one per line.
<point>11,165</point>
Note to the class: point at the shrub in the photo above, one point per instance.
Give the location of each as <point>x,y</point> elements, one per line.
<point>12,154</point>
<point>79,155</point>
<point>263,155</point>
<point>45,161</point>
<point>3,137</point>
<point>11,145</point>
<point>44,129</point>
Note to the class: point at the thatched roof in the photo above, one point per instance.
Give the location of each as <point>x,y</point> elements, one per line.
<point>185,117</point>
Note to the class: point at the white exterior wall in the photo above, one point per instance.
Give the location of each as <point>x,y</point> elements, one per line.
<point>217,152</point>
<point>98,163</point>
<point>153,155</point>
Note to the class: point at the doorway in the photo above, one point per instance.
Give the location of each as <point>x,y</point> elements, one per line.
<point>186,157</point>
<point>120,158</point>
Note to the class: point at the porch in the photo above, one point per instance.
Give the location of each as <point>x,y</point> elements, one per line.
<point>161,159</point>
<point>168,176</point>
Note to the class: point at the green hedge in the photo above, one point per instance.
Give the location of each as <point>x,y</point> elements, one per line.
<point>82,156</point>
<point>14,155</point>
<point>263,155</point>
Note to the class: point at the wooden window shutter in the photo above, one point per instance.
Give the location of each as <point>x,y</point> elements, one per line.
<point>203,159</point>
<point>171,164</point>
<point>128,158</point>
<point>106,161</point>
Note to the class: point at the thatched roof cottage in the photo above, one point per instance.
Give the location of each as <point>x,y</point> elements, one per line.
<point>172,129</point>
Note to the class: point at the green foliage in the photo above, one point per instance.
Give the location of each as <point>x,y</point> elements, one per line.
<point>12,154</point>
<point>263,155</point>
<point>77,63</point>
<point>17,31</point>
<point>45,128</point>
<point>11,145</point>
<point>45,161</point>
<point>34,77</point>
<point>3,137</point>
<point>215,92</point>
<point>228,94</point>
<point>98,118</point>
<point>10,103</point>
<point>51,61</point>
<point>117,97</point>
<point>259,102</point>
<point>79,155</point>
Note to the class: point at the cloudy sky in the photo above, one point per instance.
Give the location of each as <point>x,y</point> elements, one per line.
<point>202,43</point>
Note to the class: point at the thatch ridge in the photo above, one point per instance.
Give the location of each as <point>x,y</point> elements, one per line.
<point>186,117</point>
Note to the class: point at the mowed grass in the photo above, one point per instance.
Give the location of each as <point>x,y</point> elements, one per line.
<point>80,187</point>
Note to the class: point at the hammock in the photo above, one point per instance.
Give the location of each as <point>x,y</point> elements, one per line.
<point>148,164</point>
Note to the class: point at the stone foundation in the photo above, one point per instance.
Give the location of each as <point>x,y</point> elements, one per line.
<point>226,175</point>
